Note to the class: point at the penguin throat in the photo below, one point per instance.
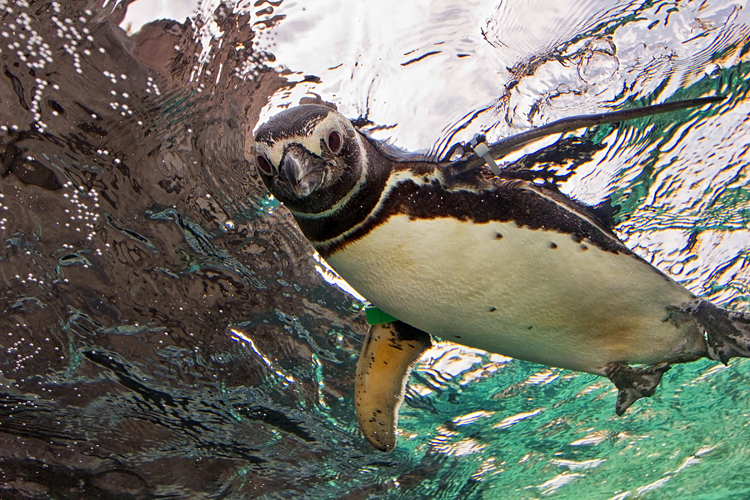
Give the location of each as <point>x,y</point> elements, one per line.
<point>342,201</point>
<point>354,206</point>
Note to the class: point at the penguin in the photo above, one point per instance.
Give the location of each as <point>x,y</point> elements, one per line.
<point>456,251</point>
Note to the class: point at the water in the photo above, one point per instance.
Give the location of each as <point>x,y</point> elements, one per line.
<point>167,332</point>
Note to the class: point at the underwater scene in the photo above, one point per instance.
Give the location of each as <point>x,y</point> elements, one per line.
<point>167,331</point>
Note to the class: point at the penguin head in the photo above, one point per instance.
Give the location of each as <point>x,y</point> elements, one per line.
<point>309,157</point>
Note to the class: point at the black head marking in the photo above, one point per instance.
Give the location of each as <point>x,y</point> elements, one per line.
<point>310,157</point>
<point>291,123</point>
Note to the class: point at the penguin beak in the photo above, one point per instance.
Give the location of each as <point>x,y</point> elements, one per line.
<point>303,172</point>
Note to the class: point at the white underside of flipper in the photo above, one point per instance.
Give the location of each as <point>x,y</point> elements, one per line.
<point>530,294</point>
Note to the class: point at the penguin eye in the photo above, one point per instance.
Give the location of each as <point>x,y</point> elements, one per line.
<point>264,165</point>
<point>335,141</point>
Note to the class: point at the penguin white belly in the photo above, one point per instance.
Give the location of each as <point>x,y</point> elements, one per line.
<point>530,294</point>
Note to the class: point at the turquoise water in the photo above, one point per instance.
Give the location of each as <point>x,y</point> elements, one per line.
<point>168,333</point>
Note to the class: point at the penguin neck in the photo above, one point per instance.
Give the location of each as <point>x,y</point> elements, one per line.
<point>356,204</point>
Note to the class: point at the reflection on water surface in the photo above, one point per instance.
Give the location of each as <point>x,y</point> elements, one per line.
<point>165,332</point>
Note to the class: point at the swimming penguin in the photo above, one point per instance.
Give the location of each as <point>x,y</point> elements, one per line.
<point>483,259</point>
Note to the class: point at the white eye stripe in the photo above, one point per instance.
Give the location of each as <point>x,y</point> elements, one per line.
<point>311,142</point>
<point>276,152</point>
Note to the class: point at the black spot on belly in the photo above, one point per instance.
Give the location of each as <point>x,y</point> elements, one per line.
<point>584,248</point>
<point>577,238</point>
<point>553,245</point>
<point>498,236</point>
<point>493,309</point>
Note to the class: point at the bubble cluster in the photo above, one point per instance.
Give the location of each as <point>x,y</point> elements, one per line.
<point>4,208</point>
<point>74,37</point>
<point>152,87</point>
<point>116,105</point>
<point>35,101</point>
<point>30,278</point>
<point>251,68</point>
<point>28,45</point>
<point>14,351</point>
<point>82,213</point>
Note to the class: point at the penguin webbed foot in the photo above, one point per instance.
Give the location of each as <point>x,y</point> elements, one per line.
<point>727,332</point>
<point>389,353</point>
<point>634,382</point>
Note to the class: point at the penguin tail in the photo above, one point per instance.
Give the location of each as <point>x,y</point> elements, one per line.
<point>727,332</point>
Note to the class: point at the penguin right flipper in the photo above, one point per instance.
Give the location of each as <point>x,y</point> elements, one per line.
<point>727,332</point>
<point>388,355</point>
<point>634,382</point>
<point>516,142</point>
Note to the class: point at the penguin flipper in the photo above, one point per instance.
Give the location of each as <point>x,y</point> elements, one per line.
<point>388,355</point>
<point>634,382</point>
<point>727,332</point>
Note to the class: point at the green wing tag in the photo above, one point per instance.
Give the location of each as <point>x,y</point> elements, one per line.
<point>377,317</point>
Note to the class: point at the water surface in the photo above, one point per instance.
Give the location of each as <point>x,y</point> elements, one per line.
<point>168,333</point>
